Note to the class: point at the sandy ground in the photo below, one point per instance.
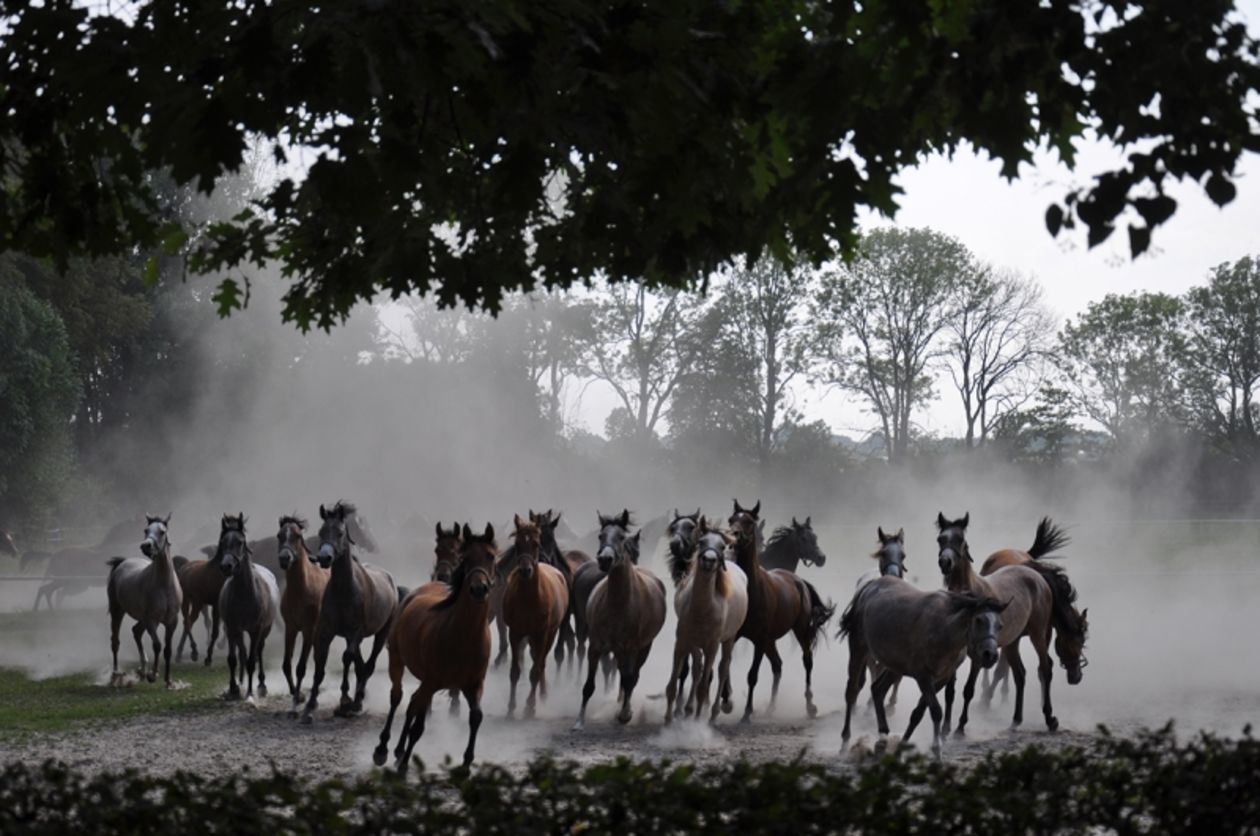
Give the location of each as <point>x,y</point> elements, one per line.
<point>1168,642</point>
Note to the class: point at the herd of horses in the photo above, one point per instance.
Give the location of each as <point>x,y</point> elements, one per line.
<point>603,611</point>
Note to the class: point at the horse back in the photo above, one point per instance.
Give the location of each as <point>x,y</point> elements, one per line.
<point>1003,558</point>
<point>436,645</point>
<point>380,596</point>
<point>1031,600</point>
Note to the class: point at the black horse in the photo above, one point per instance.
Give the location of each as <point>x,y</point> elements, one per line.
<point>791,545</point>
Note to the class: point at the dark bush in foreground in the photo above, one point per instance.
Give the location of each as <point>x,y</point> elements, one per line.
<point>1149,784</point>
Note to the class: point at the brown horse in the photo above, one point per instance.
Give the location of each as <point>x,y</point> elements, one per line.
<point>778,601</point>
<point>446,552</point>
<point>535,602</point>
<point>359,601</point>
<point>625,613</point>
<point>1030,590</point>
<point>922,635</point>
<point>147,589</point>
<point>202,581</point>
<point>442,636</point>
<point>304,587</point>
<point>1069,641</point>
<point>568,562</point>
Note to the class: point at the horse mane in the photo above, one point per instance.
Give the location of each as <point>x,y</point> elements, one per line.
<point>778,540</point>
<point>1050,538</point>
<point>294,519</point>
<point>347,508</point>
<point>678,566</point>
<point>1063,595</point>
<point>851,618</point>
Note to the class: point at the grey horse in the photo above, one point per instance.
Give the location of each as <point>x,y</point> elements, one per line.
<point>248,604</point>
<point>147,589</point>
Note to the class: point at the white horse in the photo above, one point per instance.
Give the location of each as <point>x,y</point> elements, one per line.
<point>147,589</point>
<point>710,602</point>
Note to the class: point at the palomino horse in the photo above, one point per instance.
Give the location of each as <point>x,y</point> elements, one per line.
<point>892,563</point>
<point>791,545</point>
<point>446,551</point>
<point>359,601</point>
<point>778,601</point>
<point>248,604</point>
<point>710,603</point>
<point>147,589</point>
<point>922,635</point>
<point>1069,641</point>
<point>625,613</point>
<point>1030,590</point>
<point>442,635</point>
<point>535,602</point>
<point>304,587</point>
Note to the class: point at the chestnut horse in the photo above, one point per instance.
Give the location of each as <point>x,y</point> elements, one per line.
<point>202,581</point>
<point>305,582</point>
<point>442,636</point>
<point>1069,640</point>
<point>625,613</point>
<point>359,601</point>
<point>147,589</point>
<point>922,635</point>
<point>711,602</point>
<point>778,602</point>
<point>535,602</point>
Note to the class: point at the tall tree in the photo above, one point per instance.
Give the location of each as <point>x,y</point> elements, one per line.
<point>879,319</point>
<point>467,149</point>
<point>642,344</point>
<point>1224,356</point>
<point>1123,362</point>
<point>998,338</point>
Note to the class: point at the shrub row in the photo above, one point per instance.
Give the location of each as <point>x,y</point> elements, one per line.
<point>1146,784</point>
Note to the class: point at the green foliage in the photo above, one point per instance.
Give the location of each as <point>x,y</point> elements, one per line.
<point>38,396</point>
<point>469,149</point>
<point>1146,785</point>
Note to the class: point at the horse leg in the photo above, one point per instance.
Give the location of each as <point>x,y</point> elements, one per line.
<point>723,699</point>
<point>473,696</point>
<point>807,659</point>
<point>214,633</point>
<point>323,642</point>
<point>776,668</point>
<point>879,688</point>
<point>503,641</point>
<point>752,682</point>
<point>137,633</point>
<point>706,680</point>
<point>892,700</point>
<point>928,687</point>
<point>348,657</point>
<point>695,660</point>
<point>1020,675</point>
<point>369,667</point>
<point>171,626</point>
<point>381,752</point>
<point>537,674</point>
<point>682,677</point>
<point>857,678</point>
<point>592,668</point>
<point>1045,670</point>
<point>990,683</point>
<point>630,678</point>
<point>949,700</point>
<point>607,663</point>
<point>454,711</point>
<point>186,611</point>
<point>969,691</point>
<point>262,673</point>
<point>671,688</point>
<point>915,717</point>
<point>416,713</point>
<point>308,640</point>
<point>115,622</point>
<point>514,671</point>
<point>157,651</point>
<point>290,639</point>
<point>234,690</point>
<point>250,659</point>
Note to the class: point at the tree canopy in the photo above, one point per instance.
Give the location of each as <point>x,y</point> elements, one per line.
<point>468,149</point>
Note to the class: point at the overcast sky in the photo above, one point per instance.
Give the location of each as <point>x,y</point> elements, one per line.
<point>1004,223</point>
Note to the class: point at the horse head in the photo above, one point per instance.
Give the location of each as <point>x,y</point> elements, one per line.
<point>233,547</point>
<point>334,535</point>
<point>528,539</point>
<point>952,540</point>
<point>289,540</point>
<point>476,565</point>
<point>744,522</point>
<point>615,541</point>
<point>807,543</point>
<point>711,546</point>
<point>1069,645</point>
<point>892,553</point>
<point>446,551</point>
<point>156,539</point>
<point>984,622</point>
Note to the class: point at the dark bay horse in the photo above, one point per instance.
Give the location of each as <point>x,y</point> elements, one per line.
<point>892,563</point>
<point>442,635</point>
<point>201,581</point>
<point>305,584</point>
<point>567,562</point>
<point>147,589</point>
<point>360,601</point>
<point>1040,598</point>
<point>791,545</point>
<point>248,604</point>
<point>922,635</point>
<point>778,602</point>
<point>535,603</point>
<point>625,613</point>
<point>446,553</point>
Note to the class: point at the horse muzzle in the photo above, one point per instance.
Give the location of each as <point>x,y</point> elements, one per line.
<point>987,655</point>
<point>893,570</point>
<point>946,561</point>
<point>479,590</point>
<point>527,570</point>
<point>285,557</point>
<point>326,555</point>
<point>147,547</point>
<point>1074,676</point>
<point>605,562</point>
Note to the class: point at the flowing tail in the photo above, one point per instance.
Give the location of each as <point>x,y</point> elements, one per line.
<point>1050,538</point>
<point>851,618</point>
<point>820,612</point>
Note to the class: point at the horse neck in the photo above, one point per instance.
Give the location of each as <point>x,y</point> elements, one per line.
<point>711,586</point>
<point>300,569</point>
<point>747,557</point>
<point>342,574</point>
<point>164,563</point>
<point>246,574</point>
<point>963,578</point>
<point>620,576</point>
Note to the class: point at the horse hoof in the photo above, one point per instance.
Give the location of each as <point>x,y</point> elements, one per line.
<point>727,706</point>
<point>340,711</point>
<point>356,707</point>
<point>294,713</point>
<point>624,717</point>
<point>207,660</point>
<point>194,655</point>
<point>1052,723</point>
<point>151,677</point>
<point>306,720</point>
<point>529,712</point>
<point>745,720</point>
<point>231,696</point>
<point>811,710</point>
<point>379,756</point>
<point>578,726</point>
<point>958,732</point>
<point>262,691</point>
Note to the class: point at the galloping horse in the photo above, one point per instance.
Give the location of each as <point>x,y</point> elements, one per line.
<point>778,601</point>
<point>535,603</point>
<point>65,569</point>
<point>359,601</point>
<point>1069,643</point>
<point>147,589</point>
<point>446,551</point>
<point>201,581</point>
<point>442,635</point>
<point>585,578</point>
<point>711,602</point>
<point>922,635</point>
<point>681,536</point>
<point>248,603</point>
<point>568,562</point>
<point>625,613</point>
<point>791,545</point>
<point>1037,596</point>
<point>305,584</point>
<point>892,563</point>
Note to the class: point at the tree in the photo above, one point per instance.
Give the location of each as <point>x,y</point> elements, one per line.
<point>1042,433</point>
<point>1123,363</point>
<point>470,149</point>
<point>878,320</point>
<point>38,396</point>
<point>999,334</point>
<point>1224,355</point>
<point>643,342</point>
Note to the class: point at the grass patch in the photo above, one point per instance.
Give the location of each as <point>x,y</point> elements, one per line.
<point>61,703</point>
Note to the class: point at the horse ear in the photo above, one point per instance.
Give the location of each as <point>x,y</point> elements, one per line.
<point>489,535</point>
<point>756,509</point>
<point>437,529</point>
<point>795,524</point>
<point>555,521</point>
<point>697,514</point>
<point>737,508</point>
<point>704,525</point>
<point>516,519</point>
<point>966,519</point>
<point>901,535</point>
<point>167,521</point>
<point>467,532</point>
<point>809,521</point>
<point>883,538</point>
<point>676,514</point>
<point>532,516</point>
<point>323,514</point>
<point>625,518</point>
<point>941,522</point>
